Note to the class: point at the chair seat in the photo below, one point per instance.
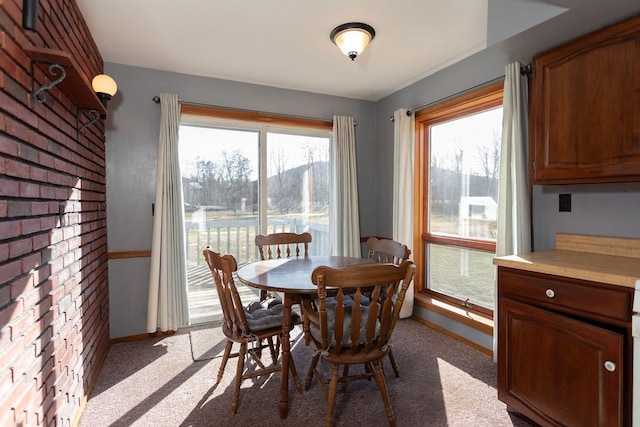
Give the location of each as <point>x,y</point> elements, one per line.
<point>267,314</point>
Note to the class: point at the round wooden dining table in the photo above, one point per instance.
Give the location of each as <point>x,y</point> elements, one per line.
<point>292,277</point>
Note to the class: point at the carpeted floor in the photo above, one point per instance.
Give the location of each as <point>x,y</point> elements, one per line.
<point>170,381</point>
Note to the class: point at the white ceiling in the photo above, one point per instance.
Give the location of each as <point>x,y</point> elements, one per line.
<point>285,43</point>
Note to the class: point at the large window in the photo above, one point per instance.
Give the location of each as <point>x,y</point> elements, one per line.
<point>245,177</point>
<point>460,151</point>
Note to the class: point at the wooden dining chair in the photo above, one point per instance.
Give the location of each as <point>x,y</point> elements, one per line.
<point>355,324</point>
<point>282,245</point>
<point>253,326</point>
<point>388,250</point>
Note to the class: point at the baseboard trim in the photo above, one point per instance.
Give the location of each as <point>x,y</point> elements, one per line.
<point>453,335</point>
<point>128,254</point>
<point>141,337</point>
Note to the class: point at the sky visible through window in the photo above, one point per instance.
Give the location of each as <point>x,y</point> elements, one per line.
<point>467,133</point>
<point>211,143</point>
<point>205,143</point>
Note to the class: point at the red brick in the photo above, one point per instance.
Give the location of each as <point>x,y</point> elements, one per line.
<point>32,261</point>
<point>44,373</point>
<point>22,404</point>
<point>39,208</point>
<point>48,223</point>
<point>18,208</point>
<point>9,188</point>
<point>7,315</point>
<point>28,189</point>
<point>12,352</point>
<point>6,382</point>
<point>19,247</point>
<point>10,270</point>
<point>37,173</point>
<point>38,141</point>
<point>56,266</point>
<point>7,145</point>
<point>7,103</point>
<point>27,116</point>
<point>29,226</point>
<point>16,129</point>
<point>19,326</point>
<point>4,255</point>
<point>39,242</point>
<point>45,160</point>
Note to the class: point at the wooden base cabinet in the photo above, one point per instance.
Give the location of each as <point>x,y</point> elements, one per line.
<point>564,349</point>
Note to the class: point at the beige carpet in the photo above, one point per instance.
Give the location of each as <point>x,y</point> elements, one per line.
<point>156,382</point>
<point>207,341</point>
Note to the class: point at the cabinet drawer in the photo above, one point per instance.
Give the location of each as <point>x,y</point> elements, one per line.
<point>566,295</point>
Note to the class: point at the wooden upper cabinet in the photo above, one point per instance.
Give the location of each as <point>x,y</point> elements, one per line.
<point>585,115</point>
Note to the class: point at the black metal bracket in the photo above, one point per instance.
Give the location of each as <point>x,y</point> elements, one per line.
<point>94,116</point>
<point>36,92</point>
<point>526,70</point>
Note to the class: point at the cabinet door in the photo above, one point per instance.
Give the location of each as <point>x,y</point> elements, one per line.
<point>586,109</point>
<point>559,371</point>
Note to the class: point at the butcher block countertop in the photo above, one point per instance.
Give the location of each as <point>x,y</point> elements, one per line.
<point>611,260</point>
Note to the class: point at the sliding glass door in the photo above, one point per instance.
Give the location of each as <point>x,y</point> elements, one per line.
<point>243,180</point>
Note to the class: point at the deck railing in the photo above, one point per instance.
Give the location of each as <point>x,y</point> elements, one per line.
<point>237,237</point>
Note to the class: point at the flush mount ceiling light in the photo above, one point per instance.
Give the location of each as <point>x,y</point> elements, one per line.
<point>352,38</point>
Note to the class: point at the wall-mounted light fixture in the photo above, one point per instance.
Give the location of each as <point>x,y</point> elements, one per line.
<point>105,87</point>
<point>352,38</point>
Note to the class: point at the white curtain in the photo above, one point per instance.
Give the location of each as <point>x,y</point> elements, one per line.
<point>167,305</point>
<point>403,127</point>
<point>344,217</point>
<point>514,213</point>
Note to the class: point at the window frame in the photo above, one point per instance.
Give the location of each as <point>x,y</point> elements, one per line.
<point>474,101</point>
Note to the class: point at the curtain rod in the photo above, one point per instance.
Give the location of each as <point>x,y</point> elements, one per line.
<point>524,70</point>
<point>156,99</point>
<point>462,92</point>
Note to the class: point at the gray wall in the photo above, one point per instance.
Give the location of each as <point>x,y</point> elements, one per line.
<point>132,134</point>
<point>132,139</point>
<point>598,209</point>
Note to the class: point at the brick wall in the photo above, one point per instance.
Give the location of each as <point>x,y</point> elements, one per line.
<point>54,326</point>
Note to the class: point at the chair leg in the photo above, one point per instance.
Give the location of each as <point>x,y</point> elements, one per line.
<point>235,397</point>
<point>294,374</point>
<point>274,353</point>
<point>312,367</point>
<point>382,386</point>
<point>225,357</point>
<point>333,391</point>
<point>394,365</point>
<point>345,374</point>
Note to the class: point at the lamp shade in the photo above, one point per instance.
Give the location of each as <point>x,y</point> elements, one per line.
<point>352,38</point>
<point>104,84</point>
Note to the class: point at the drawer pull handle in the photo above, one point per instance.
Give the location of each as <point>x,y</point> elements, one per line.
<point>609,366</point>
<point>550,293</point>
